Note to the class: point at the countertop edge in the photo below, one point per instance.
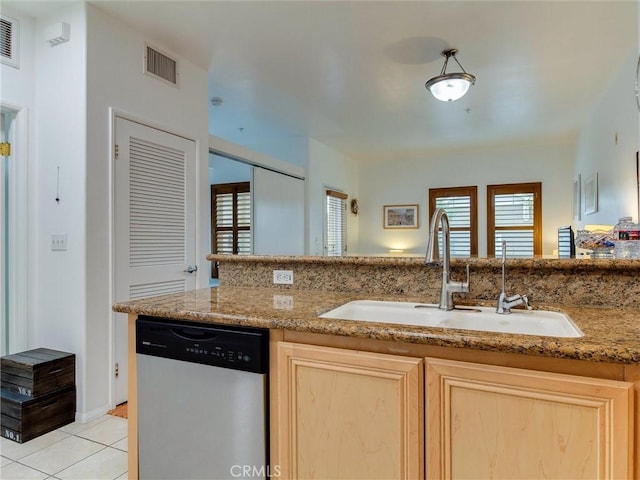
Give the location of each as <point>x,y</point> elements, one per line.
<point>547,263</point>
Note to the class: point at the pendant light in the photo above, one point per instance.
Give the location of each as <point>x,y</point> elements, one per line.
<point>448,87</point>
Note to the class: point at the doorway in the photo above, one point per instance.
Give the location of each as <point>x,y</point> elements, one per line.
<point>13,230</point>
<point>5,120</point>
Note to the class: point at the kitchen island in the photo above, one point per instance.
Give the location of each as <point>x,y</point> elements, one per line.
<point>440,387</point>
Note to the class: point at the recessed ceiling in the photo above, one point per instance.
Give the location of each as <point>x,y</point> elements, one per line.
<point>352,74</point>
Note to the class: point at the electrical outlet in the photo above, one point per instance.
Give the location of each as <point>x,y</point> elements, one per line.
<point>283,277</point>
<point>283,302</point>
<point>58,242</point>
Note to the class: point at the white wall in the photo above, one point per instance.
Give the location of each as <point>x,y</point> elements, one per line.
<point>254,157</point>
<point>608,144</point>
<point>59,289</point>
<point>408,181</point>
<point>329,169</point>
<point>115,80</point>
<point>226,170</point>
<point>292,150</point>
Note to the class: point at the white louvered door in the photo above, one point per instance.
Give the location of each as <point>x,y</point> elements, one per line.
<point>155,222</point>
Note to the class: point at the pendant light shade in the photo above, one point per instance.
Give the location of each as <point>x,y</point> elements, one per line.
<point>448,87</point>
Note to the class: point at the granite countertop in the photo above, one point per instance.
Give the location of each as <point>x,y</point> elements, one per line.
<point>610,334</point>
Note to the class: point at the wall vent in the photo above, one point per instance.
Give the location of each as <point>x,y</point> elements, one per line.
<point>160,65</point>
<point>9,41</point>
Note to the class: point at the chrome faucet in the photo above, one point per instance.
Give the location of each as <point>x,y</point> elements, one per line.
<point>505,303</point>
<point>433,258</point>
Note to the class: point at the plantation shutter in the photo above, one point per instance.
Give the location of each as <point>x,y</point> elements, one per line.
<point>224,223</point>
<point>515,217</point>
<point>243,222</point>
<point>459,213</point>
<point>460,205</point>
<point>231,219</point>
<point>336,232</point>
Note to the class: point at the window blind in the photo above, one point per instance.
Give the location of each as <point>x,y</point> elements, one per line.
<point>231,219</point>
<point>460,203</point>
<point>514,215</point>
<point>459,214</point>
<point>336,228</point>
<point>514,210</point>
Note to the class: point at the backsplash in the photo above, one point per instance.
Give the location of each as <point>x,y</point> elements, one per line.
<point>545,281</point>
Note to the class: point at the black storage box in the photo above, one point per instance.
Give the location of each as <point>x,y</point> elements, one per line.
<point>37,372</point>
<point>24,418</point>
<point>38,393</point>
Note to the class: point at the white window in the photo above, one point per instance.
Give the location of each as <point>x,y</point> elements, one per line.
<point>336,226</point>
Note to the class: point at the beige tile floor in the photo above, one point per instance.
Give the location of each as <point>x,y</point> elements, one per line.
<point>96,450</point>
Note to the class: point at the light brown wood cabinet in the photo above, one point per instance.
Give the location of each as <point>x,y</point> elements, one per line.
<point>486,421</point>
<point>346,414</point>
<point>341,413</point>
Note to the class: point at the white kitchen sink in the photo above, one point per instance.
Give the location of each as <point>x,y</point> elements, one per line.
<point>523,322</point>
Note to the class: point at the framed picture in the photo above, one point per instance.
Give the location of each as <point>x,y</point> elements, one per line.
<point>577,214</point>
<point>591,194</point>
<point>400,216</point>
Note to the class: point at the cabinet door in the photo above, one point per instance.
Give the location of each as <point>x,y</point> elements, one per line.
<point>497,422</point>
<point>347,414</point>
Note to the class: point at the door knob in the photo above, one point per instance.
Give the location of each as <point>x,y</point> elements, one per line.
<point>191,269</point>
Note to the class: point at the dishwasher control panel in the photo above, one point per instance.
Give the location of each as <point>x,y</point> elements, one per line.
<point>218,345</point>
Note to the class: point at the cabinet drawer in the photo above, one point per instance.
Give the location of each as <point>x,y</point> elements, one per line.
<point>37,372</point>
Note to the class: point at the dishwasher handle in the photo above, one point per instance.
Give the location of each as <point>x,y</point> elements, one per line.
<point>187,333</point>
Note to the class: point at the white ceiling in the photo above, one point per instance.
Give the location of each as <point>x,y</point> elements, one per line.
<point>352,74</point>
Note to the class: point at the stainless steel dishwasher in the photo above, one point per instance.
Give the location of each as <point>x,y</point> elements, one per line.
<point>202,400</point>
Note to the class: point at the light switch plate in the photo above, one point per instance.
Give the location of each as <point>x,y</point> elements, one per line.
<point>58,242</point>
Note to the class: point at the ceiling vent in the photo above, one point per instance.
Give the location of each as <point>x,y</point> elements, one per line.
<point>9,41</point>
<point>160,65</point>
